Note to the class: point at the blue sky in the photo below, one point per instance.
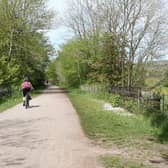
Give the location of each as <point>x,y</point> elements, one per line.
<point>59,34</point>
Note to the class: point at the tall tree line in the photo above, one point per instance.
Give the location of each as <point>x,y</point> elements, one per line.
<point>24,50</point>
<point>114,40</point>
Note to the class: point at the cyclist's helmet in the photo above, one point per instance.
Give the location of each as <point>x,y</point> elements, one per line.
<point>26,79</point>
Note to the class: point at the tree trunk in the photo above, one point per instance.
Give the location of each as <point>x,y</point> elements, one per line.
<point>10,46</point>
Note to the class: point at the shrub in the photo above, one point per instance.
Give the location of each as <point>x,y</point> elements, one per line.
<point>130,105</point>
<point>163,135</point>
<point>115,100</point>
<point>159,120</point>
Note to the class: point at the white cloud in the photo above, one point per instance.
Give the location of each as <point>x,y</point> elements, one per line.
<point>58,5</point>
<point>61,34</point>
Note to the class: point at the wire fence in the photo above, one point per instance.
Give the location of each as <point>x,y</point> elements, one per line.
<point>144,99</point>
<point>165,103</point>
<point>8,89</point>
<point>5,91</point>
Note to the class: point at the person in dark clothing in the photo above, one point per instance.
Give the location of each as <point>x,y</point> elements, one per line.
<point>26,87</point>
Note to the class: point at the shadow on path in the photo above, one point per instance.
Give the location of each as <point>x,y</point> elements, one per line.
<point>34,106</point>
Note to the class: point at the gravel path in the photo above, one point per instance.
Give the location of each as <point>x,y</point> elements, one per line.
<point>48,135</point>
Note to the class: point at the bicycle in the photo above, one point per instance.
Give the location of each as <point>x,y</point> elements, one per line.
<point>26,87</point>
<point>26,102</point>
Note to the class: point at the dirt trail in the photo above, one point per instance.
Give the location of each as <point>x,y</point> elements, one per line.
<point>48,135</point>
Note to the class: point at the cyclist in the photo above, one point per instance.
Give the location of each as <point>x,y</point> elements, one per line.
<point>26,87</point>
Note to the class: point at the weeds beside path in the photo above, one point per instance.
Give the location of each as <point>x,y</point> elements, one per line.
<point>132,135</point>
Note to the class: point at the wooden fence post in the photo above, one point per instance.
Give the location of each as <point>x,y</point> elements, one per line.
<point>163,103</point>
<point>139,100</point>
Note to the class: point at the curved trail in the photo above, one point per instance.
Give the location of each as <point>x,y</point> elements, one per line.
<point>48,135</point>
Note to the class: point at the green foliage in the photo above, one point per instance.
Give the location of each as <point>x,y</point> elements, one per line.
<point>8,71</point>
<point>87,60</point>
<point>24,51</point>
<point>118,162</point>
<point>130,133</point>
<point>115,100</point>
<point>139,74</point>
<point>112,64</point>
<point>118,101</point>
<point>163,135</point>
<point>98,59</point>
<point>71,66</point>
<point>51,72</point>
<point>160,121</point>
<point>110,126</point>
<point>8,102</point>
<point>157,118</point>
<point>157,74</point>
<point>103,95</point>
<point>130,105</point>
<point>165,82</point>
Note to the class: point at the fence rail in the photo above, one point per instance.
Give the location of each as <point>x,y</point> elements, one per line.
<point>144,98</point>
<point>5,92</point>
<point>6,89</point>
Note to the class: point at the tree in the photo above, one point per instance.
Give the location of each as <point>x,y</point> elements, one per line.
<point>142,25</point>
<point>23,48</point>
<point>139,26</point>
<point>51,72</point>
<point>72,65</point>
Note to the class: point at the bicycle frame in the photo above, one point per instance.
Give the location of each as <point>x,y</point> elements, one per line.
<point>27,100</point>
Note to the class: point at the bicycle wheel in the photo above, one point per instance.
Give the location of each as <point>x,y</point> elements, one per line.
<point>27,101</point>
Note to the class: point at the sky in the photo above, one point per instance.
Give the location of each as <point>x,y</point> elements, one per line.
<point>59,34</point>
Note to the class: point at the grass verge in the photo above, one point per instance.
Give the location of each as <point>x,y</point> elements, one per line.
<point>118,162</point>
<point>133,135</point>
<point>7,102</point>
<point>98,123</point>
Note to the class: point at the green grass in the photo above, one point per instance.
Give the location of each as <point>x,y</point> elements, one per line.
<point>118,162</point>
<point>8,102</point>
<point>133,134</point>
<point>151,81</point>
<point>101,124</point>
<point>161,90</point>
